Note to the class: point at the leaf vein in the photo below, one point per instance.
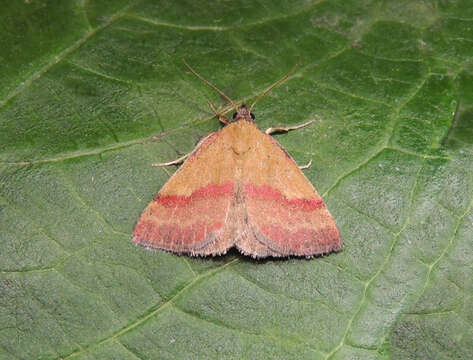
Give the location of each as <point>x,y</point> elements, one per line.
<point>62,55</point>
<point>152,312</point>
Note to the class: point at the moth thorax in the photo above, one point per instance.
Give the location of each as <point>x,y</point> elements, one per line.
<point>240,141</point>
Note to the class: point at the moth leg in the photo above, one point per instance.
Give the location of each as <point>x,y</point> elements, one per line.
<point>306,166</point>
<point>174,162</point>
<point>275,129</point>
<point>184,157</point>
<point>220,117</point>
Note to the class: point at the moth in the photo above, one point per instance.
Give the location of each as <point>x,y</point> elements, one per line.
<point>238,188</point>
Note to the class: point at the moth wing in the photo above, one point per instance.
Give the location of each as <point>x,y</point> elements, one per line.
<point>285,214</point>
<point>189,214</point>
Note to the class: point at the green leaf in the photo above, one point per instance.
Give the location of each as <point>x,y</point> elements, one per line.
<point>94,92</point>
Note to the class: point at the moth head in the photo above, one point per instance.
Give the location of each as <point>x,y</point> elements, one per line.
<point>243,113</point>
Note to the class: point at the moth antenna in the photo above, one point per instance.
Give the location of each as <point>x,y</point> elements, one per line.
<point>211,85</point>
<point>276,84</point>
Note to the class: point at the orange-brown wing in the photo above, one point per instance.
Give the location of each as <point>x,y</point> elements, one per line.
<point>286,216</point>
<point>189,214</point>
